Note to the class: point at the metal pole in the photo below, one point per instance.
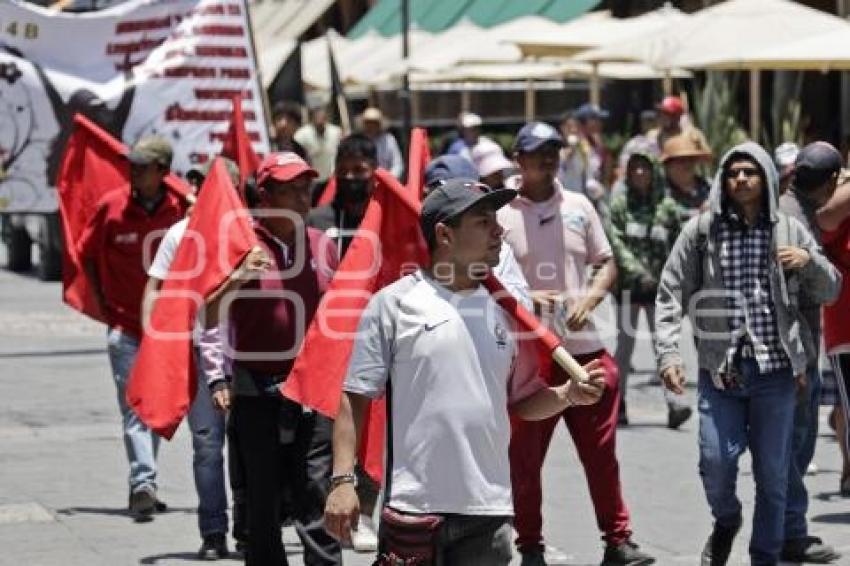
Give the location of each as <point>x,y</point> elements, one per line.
<point>406,120</point>
<point>595,87</point>
<point>530,109</point>
<point>755,105</point>
<point>841,8</point>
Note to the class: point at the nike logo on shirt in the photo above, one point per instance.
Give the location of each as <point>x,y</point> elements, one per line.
<point>430,327</point>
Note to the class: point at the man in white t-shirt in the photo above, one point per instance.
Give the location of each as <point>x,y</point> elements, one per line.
<point>556,236</point>
<point>205,423</point>
<point>443,350</point>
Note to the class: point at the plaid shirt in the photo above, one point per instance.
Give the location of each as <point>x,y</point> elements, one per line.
<point>744,261</point>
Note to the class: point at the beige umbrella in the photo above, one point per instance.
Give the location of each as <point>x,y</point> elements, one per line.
<point>821,52</point>
<point>723,34</point>
<point>593,30</point>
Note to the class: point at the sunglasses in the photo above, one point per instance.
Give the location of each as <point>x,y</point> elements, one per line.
<point>747,171</point>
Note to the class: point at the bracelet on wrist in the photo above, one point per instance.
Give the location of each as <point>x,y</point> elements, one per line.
<point>339,479</point>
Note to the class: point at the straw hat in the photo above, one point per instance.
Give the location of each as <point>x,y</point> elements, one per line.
<point>684,145</point>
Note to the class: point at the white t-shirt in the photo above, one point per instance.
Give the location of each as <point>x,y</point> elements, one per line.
<point>211,350</point>
<point>509,273</point>
<point>454,366</point>
<point>167,248</point>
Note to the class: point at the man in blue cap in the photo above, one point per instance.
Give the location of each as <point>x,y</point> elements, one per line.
<point>556,235</point>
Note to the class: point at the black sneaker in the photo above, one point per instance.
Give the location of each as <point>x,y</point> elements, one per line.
<point>718,547</point>
<point>808,549</point>
<point>533,558</point>
<point>142,503</point>
<point>214,547</point>
<point>676,417</point>
<point>626,553</point>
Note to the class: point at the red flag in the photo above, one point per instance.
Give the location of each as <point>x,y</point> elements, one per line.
<point>418,158</point>
<point>329,193</point>
<point>92,165</point>
<point>316,379</point>
<point>237,145</point>
<point>219,235</point>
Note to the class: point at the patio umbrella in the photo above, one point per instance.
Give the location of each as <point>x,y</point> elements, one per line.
<point>725,34</point>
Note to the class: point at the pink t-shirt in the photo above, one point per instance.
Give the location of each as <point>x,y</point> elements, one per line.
<point>554,242</point>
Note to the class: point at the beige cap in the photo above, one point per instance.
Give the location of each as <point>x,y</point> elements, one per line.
<point>151,149</point>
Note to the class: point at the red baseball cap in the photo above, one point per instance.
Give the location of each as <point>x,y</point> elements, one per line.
<point>672,105</point>
<point>284,167</point>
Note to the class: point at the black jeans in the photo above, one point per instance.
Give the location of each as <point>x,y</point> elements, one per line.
<point>281,447</point>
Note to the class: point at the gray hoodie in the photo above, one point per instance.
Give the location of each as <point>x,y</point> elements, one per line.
<point>691,282</point>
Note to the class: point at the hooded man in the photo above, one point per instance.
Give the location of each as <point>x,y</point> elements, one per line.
<point>642,226</point>
<point>740,269</point>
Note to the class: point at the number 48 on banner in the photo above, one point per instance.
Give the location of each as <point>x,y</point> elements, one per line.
<point>27,30</point>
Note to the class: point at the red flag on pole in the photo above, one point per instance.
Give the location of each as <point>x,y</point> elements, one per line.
<point>316,379</point>
<point>319,371</point>
<point>237,145</point>
<point>329,193</point>
<point>418,158</point>
<point>92,165</point>
<point>219,235</point>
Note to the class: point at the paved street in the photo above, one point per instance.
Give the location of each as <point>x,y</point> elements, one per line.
<point>63,473</point>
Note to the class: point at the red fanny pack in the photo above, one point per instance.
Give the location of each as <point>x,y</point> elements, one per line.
<point>408,540</point>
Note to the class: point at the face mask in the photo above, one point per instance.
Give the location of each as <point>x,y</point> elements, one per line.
<point>352,190</point>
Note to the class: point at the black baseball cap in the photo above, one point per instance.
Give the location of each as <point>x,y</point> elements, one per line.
<point>535,135</point>
<point>815,164</point>
<point>455,197</point>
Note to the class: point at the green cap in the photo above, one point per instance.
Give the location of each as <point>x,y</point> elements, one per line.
<point>151,149</point>
<point>202,171</point>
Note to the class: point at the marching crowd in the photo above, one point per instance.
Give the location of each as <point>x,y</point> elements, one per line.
<point>471,410</point>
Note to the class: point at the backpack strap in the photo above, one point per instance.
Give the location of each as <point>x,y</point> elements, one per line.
<point>703,230</point>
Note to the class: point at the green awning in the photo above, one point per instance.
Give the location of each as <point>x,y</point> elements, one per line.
<point>565,10</point>
<point>438,15</point>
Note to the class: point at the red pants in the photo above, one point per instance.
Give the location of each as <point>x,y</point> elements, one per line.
<point>594,431</point>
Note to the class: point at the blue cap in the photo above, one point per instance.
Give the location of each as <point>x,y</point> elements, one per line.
<point>534,135</point>
<point>448,167</point>
<point>588,111</point>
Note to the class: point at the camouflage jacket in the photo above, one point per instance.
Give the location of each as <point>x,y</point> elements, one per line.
<point>642,232</point>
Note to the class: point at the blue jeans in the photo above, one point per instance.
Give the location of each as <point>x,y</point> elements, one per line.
<point>207,426</point>
<point>758,413</point>
<point>140,442</point>
<point>802,452</point>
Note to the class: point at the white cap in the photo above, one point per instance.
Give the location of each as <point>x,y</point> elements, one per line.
<point>372,114</point>
<point>786,154</point>
<point>470,120</point>
<point>488,159</point>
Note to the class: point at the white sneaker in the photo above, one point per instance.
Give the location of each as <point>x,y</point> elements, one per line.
<point>364,538</point>
<point>812,469</point>
<point>554,555</point>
